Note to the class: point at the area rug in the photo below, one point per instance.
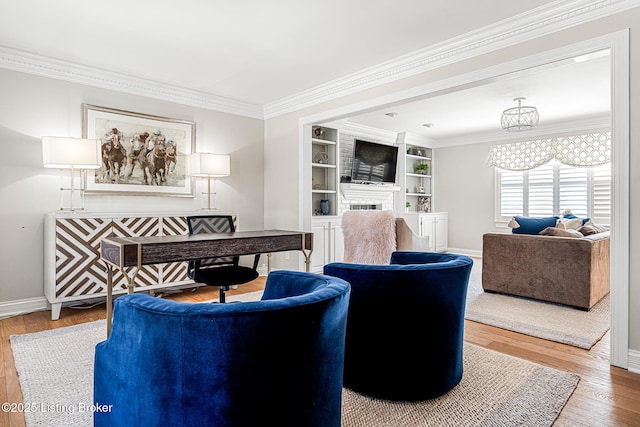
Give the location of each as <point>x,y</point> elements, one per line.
<point>539,319</point>
<point>496,390</point>
<point>249,296</point>
<point>55,370</point>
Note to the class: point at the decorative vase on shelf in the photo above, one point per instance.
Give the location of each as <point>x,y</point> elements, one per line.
<point>324,207</point>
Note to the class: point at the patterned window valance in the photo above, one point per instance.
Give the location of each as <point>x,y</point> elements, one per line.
<point>590,149</point>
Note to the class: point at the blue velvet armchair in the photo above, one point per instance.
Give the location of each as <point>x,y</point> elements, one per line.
<point>405,326</point>
<point>278,361</point>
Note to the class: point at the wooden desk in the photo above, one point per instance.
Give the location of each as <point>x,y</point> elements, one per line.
<point>133,252</point>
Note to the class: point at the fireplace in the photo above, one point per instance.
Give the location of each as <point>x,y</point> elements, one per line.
<point>366,197</point>
<point>365,207</point>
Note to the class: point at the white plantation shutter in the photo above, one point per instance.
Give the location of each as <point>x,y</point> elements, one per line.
<point>553,188</point>
<point>511,193</point>
<point>573,190</point>
<point>601,202</point>
<point>541,191</point>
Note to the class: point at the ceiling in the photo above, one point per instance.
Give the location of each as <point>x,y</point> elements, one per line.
<point>260,52</point>
<point>577,89</point>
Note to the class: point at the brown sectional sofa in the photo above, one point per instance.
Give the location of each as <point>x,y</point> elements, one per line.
<point>565,270</point>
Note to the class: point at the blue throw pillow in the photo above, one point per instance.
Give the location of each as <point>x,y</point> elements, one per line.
<point>529,225</point>
<point>572,216</point>
<point>569,216</point>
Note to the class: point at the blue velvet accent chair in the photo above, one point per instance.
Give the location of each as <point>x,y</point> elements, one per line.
<point>405,327</point>
<point>278,361</point>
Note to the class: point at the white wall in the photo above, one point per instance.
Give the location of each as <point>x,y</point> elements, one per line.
<point>32,107</point>
<point>464,188</point>
<point>282,182</point>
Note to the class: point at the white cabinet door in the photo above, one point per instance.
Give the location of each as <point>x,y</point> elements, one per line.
<point>328,243</point>
<point>436,227</point>
<point>427,229</point>
<point>337,241</point>
<point>441,227</point>
<point>320,253</point>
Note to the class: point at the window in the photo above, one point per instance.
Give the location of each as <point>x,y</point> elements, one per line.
<point>552,188</point>
<point>540,194</point>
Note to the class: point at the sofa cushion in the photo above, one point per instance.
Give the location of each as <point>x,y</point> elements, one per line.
<point>570,223</point>
<point>560,232</point>
<point>572,216</point>
<point>530,225</point>
<point>590,228</point>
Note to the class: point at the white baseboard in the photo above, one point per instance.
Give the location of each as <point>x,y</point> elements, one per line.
<point>23,306</point>
<point>634,361</point>
<point>467,252</point>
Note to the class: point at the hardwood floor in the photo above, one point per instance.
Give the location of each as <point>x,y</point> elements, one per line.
<point>605,396</point>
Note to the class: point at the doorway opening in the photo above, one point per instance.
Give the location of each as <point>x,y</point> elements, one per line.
<point>618,45</point>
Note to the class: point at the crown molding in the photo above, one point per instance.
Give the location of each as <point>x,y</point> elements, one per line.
<point>26,62</point>
<point>533,24</point>
<point>411,138</point>
<point>364,131</point>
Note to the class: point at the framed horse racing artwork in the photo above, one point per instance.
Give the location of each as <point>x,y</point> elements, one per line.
<point>141,154</point>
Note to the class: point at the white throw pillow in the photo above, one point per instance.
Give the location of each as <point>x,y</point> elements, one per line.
<point>559,232</point>
<point>569,223</point>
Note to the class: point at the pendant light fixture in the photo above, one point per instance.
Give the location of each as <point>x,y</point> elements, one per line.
<point>519,118</point>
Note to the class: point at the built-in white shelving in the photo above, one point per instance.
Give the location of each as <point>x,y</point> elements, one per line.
<point>324,171</point>
<point>415,168</point>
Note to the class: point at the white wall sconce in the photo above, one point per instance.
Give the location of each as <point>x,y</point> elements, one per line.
<point>208,165</point>
<point>73,154</point>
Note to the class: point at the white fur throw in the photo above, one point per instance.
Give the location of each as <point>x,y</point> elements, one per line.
<point>369,236</point>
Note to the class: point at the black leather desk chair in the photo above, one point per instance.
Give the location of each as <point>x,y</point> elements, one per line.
<point>222,272</point>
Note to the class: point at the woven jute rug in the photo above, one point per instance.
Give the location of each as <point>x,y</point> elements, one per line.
<point>496,390</point>
<point>549,321</point>
<point>55,370</point>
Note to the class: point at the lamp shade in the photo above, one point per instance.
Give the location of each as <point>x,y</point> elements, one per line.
<point>67,153</point>
<point>207,164</point>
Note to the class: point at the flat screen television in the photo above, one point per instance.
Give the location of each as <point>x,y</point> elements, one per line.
<point>373,162</point>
